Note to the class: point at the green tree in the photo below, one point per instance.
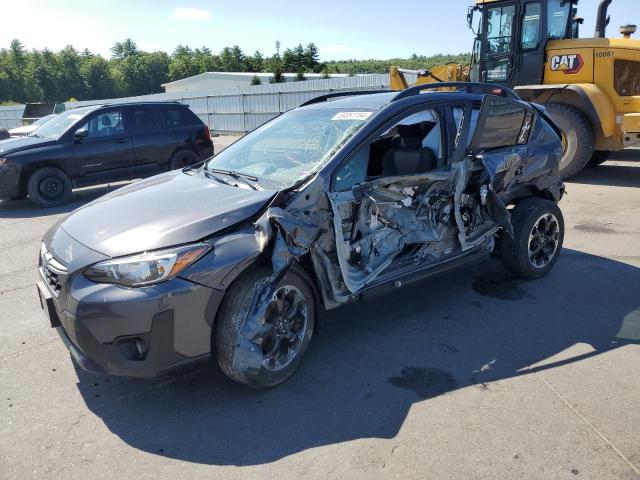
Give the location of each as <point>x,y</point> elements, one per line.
<point>97,77</point>
<point>312,58</point>
<point>256,62</point>
<point>124,49</point>
<point>183,63</point>
<point>70,80</point>
<point>256,80</point>
<point>17,62</point>
<point>233,59</point>
<point>204,60</point>
<point>145,73</point>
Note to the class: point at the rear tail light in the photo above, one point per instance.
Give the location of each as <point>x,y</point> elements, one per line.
<point>207,133</point>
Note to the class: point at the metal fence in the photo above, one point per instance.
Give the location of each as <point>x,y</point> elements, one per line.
<point>11,116</point>
<point>235,110</point>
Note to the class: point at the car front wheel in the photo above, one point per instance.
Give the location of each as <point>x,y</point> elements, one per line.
<point>49,187</point>
<point>538,233</point>
<point>260,341</point>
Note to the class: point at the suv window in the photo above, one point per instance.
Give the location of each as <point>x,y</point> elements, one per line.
<point>143,119</point>
<point>105,124</point>
<point>177,116</point>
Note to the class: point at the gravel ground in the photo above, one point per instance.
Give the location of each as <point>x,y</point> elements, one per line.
<point>471,375</point>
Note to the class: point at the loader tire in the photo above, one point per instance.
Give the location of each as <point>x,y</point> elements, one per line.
<point>579,137</point>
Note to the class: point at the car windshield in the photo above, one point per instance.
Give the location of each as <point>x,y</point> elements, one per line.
<point>59,124</point>
<point>292,146</point>
<point>43,120</point>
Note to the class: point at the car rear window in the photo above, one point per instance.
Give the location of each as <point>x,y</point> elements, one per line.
<point>178,116</point>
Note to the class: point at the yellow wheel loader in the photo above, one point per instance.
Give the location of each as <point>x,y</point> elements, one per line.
<point>590,86</point>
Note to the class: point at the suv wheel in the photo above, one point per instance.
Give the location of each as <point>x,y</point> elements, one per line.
<point>182,159</point>
<point>538,231</point>
<point>49,187</point>
<point>283,331</point>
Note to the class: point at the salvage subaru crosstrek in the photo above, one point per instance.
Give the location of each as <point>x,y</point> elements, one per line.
<point>335,200</point>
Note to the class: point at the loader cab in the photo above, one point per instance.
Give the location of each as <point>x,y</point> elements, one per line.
<point>511,36</point>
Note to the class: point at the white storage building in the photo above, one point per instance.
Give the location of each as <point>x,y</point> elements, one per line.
<point>225,80</point>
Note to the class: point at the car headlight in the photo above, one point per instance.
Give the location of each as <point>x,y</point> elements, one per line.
<point>146,268</point>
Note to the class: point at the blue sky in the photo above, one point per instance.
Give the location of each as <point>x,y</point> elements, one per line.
<point>341,29</point>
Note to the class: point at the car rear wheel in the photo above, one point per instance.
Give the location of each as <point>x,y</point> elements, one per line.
<point>182,159</point>
<point>49,187</point>
<point>261,345</point>
<point>538,233</point>
<point>579,137</point>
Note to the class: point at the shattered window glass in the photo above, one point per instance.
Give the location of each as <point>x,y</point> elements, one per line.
<point>292,146</point>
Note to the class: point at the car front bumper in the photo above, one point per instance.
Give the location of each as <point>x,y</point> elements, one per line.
<point>9,191</point>
<point>135,332</point>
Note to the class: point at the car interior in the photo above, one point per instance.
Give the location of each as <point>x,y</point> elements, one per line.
<point>411,146</point>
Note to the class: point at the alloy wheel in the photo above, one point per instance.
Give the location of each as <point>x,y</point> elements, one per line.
<point>543,240</point>
<point>284,327</point>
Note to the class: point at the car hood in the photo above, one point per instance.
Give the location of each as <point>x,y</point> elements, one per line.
<point>169,209</point>
<point>19,144</point>
<point>23,130</point>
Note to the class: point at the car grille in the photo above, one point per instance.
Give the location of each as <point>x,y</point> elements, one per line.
<point>52,271</point>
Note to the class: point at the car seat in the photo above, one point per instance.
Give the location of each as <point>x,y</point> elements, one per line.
<point>408,156</point>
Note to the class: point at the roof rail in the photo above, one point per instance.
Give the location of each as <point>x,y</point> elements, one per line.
<point>323,98</point>
<point>137,102</point>
<point>466,87</point>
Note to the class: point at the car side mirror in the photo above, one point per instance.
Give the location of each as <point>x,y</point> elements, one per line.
<point>81,133</point>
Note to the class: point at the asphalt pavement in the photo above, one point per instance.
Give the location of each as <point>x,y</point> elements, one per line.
<point>474,374</point>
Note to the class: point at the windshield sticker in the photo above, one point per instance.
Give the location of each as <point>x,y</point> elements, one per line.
<point>351,116</point>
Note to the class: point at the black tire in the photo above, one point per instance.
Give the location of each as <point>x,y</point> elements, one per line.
<point>518,253</point>
<point>182,159</point>
<point>598,157</point>
<point>49,187</point>
<point>234,312</point>
<point>579,136</point>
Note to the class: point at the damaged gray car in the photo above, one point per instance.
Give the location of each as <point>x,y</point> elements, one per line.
<point>347,196</point>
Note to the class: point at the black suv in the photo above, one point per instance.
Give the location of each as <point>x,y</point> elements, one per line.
<point>98,144</point>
